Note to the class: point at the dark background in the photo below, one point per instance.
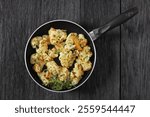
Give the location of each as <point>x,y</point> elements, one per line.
<point>123,55</point>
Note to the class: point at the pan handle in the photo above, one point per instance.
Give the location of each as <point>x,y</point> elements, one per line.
<point>118,20</point>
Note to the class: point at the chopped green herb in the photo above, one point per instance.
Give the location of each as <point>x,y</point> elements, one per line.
<point>56,84</point>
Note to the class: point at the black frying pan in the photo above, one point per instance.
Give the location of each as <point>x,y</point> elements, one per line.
<point>73,27</point>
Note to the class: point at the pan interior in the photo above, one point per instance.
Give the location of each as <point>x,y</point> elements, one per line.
<point>70,27</point>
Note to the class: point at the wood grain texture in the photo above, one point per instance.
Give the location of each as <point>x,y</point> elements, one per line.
<point>135,48</point>
<point>127,48</point>
<point>1,44</point>
<point>105,80</point>
<point>20,19</point>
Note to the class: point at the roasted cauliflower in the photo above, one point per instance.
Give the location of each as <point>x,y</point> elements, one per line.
<point>70,50</point>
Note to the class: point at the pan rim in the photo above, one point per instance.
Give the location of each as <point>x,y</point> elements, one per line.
<point>27,43</point>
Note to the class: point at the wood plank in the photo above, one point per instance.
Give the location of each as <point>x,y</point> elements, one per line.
<point>105,80</point>
<point>135,49</point>
<point>20,19</point>
<point>1,44</point>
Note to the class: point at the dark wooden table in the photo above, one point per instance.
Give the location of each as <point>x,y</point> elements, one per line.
<point>123,55</point>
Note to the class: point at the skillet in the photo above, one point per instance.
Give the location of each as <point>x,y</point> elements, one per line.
<point>71,26</point>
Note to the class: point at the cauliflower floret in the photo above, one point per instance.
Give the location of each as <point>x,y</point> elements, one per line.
<point>36,58</point>
<point>85,54</point>
<point>86,49</point>
<point>60,47</point>
<point>38,65</point>
<point>69,43</point>
<point>67,58</point>
<point>43,45</point>
<point>76,74</point>
<point>74,79</point>
<point>33,58</point>
<point>46,57</point>
<point>72,42</point>
<point>86,66</point>
<point>82,40</point>
<point>57,36</point>
<point>53,53</point>
<point>47,38</point>
<point>53,67</point>
<point>64,74</point>
<point>84,58</point>
<point>77,70</point>
<point>35,42</point>
<point>37,68</point>
<point>45,76</point>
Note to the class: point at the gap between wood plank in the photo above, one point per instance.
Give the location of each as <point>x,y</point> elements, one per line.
<point>120,58</point>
